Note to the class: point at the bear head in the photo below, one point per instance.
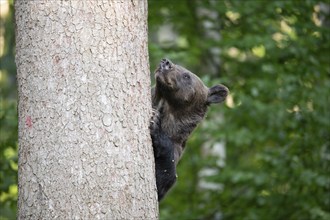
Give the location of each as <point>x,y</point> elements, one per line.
<point>183,89</point>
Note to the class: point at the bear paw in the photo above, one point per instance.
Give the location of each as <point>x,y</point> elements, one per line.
<point>154,121</point>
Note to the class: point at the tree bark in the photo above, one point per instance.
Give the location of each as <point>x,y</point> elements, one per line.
<point>84,106</point>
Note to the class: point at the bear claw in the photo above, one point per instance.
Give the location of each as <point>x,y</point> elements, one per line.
<point>154,121</point>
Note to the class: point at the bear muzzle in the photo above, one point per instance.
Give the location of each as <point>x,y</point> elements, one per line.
<point>165,65</point>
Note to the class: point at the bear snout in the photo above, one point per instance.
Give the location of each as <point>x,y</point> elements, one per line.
<point>165,64</point>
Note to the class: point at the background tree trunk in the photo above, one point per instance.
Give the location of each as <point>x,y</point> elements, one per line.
<point>84,108</point>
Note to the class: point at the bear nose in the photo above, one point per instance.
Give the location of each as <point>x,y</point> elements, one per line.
<point>165,64</point>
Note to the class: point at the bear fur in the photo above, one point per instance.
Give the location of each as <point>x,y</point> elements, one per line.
<point>179,101</point>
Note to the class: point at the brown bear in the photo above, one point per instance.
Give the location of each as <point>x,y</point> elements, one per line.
<point>179,101</point>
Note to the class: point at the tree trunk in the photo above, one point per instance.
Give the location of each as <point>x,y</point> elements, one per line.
<point>84,106</point>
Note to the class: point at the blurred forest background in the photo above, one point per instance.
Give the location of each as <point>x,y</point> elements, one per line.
<point>265,153</point>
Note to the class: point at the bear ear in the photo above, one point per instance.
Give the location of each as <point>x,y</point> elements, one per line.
<point>217,94</point>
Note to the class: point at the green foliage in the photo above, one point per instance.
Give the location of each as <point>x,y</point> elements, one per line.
<point>276,122</point>
<point>8,116</point>
<point>8,162</point>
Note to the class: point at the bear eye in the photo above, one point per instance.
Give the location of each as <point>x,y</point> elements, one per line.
<point>186,76</point>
